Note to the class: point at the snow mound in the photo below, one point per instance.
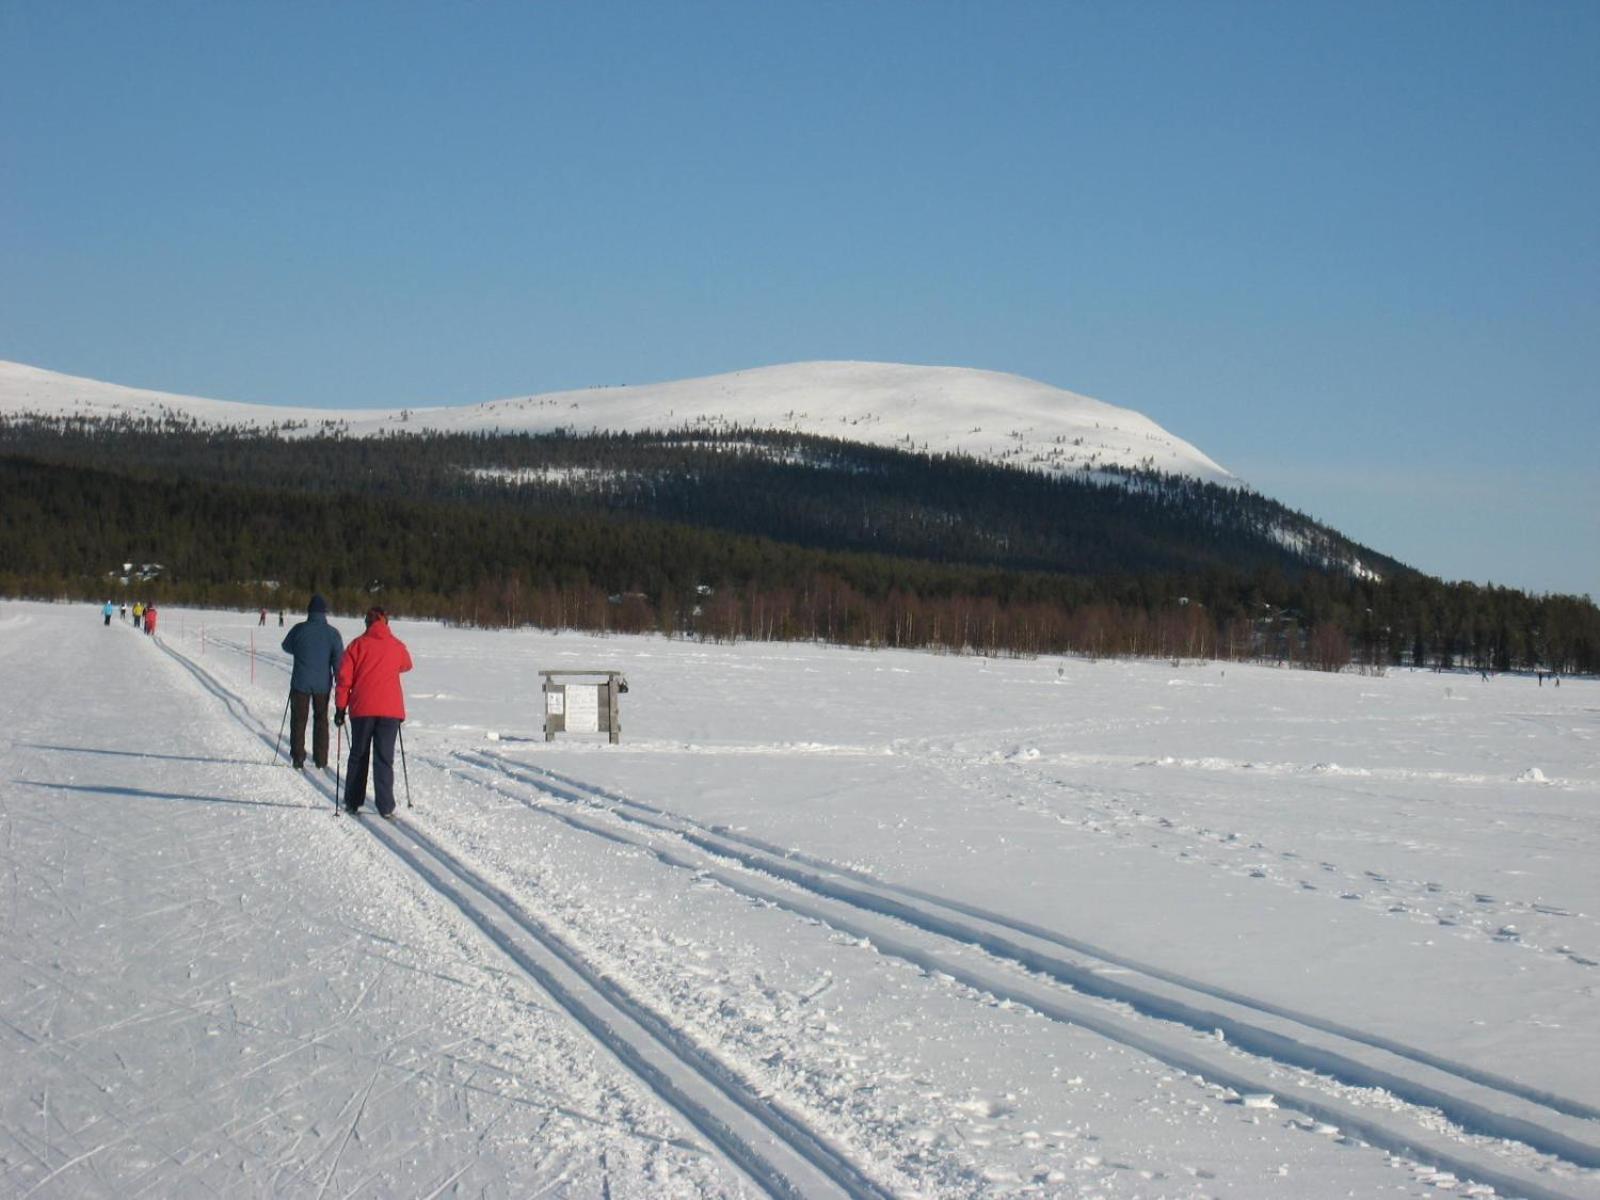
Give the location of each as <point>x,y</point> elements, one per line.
<point>988,415</point>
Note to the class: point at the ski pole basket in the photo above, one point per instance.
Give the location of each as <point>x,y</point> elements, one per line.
<point>585,706</point>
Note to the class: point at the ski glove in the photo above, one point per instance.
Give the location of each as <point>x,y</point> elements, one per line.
<point>338,717</point>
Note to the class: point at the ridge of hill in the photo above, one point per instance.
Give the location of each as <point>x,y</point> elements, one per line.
<point>988,416</point>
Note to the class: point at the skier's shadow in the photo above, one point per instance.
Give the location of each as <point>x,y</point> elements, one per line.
<point>144,794</point>
<point>231,762</point>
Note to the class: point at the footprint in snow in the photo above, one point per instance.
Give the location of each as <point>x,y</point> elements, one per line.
<point>973,1110</point>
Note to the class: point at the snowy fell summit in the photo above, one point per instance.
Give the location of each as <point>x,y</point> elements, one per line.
<point>989,416</point>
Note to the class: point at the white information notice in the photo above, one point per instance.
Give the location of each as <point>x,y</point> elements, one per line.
<point>554,703</point>
<point>583,708</point>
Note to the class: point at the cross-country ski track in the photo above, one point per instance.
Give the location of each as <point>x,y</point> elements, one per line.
<point>776,1150</point>
<point>1458,1124</point>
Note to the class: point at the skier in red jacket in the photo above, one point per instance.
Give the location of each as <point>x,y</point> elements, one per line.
<point>368,688</point>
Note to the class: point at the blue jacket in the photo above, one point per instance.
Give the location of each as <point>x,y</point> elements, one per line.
<point>316,647</point>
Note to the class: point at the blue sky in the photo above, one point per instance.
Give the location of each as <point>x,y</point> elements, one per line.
<point>1348,249</point>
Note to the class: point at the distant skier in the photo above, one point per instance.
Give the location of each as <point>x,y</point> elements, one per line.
<point>316,647</point>
<point>138,614</point>
<point>280,618</point>
<point>263,619</point>
<point>108,612</point>
<point>150,619</point>
<point>124,610</point>
<point>369,689</point>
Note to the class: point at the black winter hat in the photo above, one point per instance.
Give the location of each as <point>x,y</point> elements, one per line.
<point>317,605</point>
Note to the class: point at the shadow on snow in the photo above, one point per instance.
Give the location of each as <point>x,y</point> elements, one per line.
<point>232,762</point>
<point>143,794</point>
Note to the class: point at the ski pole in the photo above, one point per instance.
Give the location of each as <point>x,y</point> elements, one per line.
<point>277,746</point>
<point>404,770</point>
<point>338,774</point>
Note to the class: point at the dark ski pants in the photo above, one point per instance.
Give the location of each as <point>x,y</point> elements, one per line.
<point>302,704</point>
<point>371,739</point>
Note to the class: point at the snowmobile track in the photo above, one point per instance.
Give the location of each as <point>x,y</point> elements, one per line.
<point>1479,1102</point>
<point>772,1147</point>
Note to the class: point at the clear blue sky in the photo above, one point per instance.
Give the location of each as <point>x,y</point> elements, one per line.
<point>1348,249</point>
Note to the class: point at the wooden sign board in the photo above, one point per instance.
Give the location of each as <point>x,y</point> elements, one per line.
<point>583,707</point>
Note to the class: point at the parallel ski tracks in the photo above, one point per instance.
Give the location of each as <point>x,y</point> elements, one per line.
<point>786,1158</point>
<point>813,873</point>
<point>1478,1101</point>
<point>773,1147</point>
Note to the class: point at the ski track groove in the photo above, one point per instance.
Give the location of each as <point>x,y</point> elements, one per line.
<point>349,1132</point>
<point>769,856</point>
<point>1487,1104</point>
<point>730,1113</point>
<point>807,1145</point>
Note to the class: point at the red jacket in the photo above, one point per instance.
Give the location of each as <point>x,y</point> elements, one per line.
<point>369,674</point>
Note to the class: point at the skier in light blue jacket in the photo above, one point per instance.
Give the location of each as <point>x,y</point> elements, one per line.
<point>108,611</point>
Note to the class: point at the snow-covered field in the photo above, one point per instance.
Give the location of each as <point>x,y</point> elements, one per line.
<point>825,923</point>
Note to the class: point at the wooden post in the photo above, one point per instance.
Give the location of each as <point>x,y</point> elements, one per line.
<point>549,725</point>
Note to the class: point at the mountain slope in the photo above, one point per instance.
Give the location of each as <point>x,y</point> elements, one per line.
<point>790,535</point>
<point>986,415</point>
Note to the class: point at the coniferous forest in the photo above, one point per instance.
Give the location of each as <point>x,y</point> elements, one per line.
<point>737,534</point>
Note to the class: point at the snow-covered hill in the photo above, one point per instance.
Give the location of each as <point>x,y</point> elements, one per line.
<point>941,410</point>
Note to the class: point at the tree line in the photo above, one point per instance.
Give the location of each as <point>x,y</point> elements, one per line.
<point>810,491</point>
<point>492,556</point>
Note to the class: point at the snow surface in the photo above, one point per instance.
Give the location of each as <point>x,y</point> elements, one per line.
<point>827,922</point>
<point>940,410</point>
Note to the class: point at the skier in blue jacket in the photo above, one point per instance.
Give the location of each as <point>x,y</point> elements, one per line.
<point>316,647</point>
